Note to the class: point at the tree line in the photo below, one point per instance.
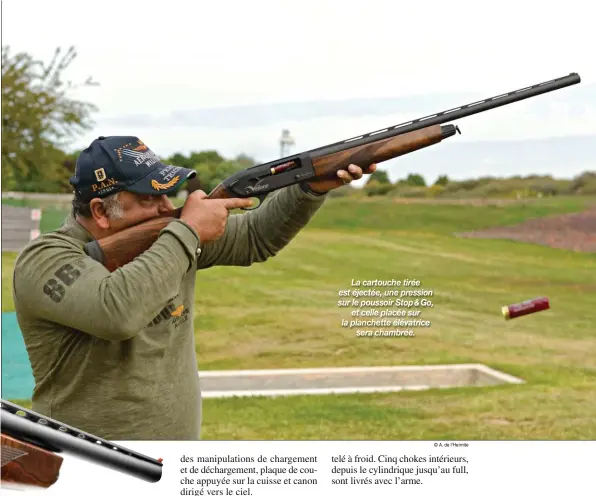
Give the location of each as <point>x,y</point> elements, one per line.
<point>414,186</point>
<point>41,118</point>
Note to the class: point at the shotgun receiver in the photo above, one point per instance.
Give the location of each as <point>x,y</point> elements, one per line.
<point>317,165</point>
<point>30,442</point>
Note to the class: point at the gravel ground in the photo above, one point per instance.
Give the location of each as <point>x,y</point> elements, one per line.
<point>575,232</point>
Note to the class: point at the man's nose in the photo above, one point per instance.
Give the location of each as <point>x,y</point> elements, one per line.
<point>165,205</point>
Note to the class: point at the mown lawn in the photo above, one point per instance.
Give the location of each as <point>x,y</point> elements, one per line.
<point>284,314</point>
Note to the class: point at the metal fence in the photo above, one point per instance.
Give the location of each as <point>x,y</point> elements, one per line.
<point>20,195</point>
<point>19,226</point>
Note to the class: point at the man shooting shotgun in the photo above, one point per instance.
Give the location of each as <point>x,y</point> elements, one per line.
<point>114,352</point>
<point>105,303</point>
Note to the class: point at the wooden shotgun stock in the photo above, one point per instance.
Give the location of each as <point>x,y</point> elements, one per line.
<point>319,164</point>
<point>123,247</point>
<point>25,465</point>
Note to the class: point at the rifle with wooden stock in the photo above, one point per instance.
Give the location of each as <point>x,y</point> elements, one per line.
<point>31,441</point>
<point>317,165</point>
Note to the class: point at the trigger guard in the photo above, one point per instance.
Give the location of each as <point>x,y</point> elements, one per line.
<point>261,200</point>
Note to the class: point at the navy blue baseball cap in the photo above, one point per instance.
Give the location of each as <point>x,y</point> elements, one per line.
<point>116,163</point>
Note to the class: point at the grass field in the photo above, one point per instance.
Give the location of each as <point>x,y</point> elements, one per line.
<point>284,314</point>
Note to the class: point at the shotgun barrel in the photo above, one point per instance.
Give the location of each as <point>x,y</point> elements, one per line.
<point>47,433</point>
<point>450,115</point>
<point>259,180</point>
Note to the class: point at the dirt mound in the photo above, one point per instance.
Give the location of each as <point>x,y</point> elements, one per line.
<point>575,232</point>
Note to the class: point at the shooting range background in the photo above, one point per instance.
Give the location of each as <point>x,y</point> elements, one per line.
<point>19,225</point>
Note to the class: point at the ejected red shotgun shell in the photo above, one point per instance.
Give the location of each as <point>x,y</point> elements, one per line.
<point>525,307</point>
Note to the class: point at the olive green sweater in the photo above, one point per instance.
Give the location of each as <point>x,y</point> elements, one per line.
<point>113,354</point>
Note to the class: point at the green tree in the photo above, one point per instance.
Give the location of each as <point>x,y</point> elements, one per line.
<point>442,181</point>
<point>211,167</point>
<point>179,160</point>
<point>380,176</point>
<point>584,183</point>
<point>415,180</point>
<point>206,156</point>
<point>210,174</point>
<point>69,161</point>
<point>39,119</point>
<point>245,161</point>
<point>206,163</point>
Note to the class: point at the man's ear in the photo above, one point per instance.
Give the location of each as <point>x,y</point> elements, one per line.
<point>99,214</point>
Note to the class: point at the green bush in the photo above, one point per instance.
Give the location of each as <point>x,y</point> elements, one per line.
<point>405,191</point>
<point>374,188</point>
<point>342,192</point>
<point>584,184</point>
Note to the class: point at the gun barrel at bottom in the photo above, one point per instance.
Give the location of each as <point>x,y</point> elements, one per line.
<point>41,435</point>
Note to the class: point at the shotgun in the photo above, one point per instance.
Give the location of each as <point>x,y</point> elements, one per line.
<point>317,165</point>
<point>30,442</point>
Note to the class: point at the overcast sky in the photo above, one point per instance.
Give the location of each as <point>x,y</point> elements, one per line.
<point>231,75</point>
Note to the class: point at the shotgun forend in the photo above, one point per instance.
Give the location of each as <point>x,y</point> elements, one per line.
<point>49,434</point>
